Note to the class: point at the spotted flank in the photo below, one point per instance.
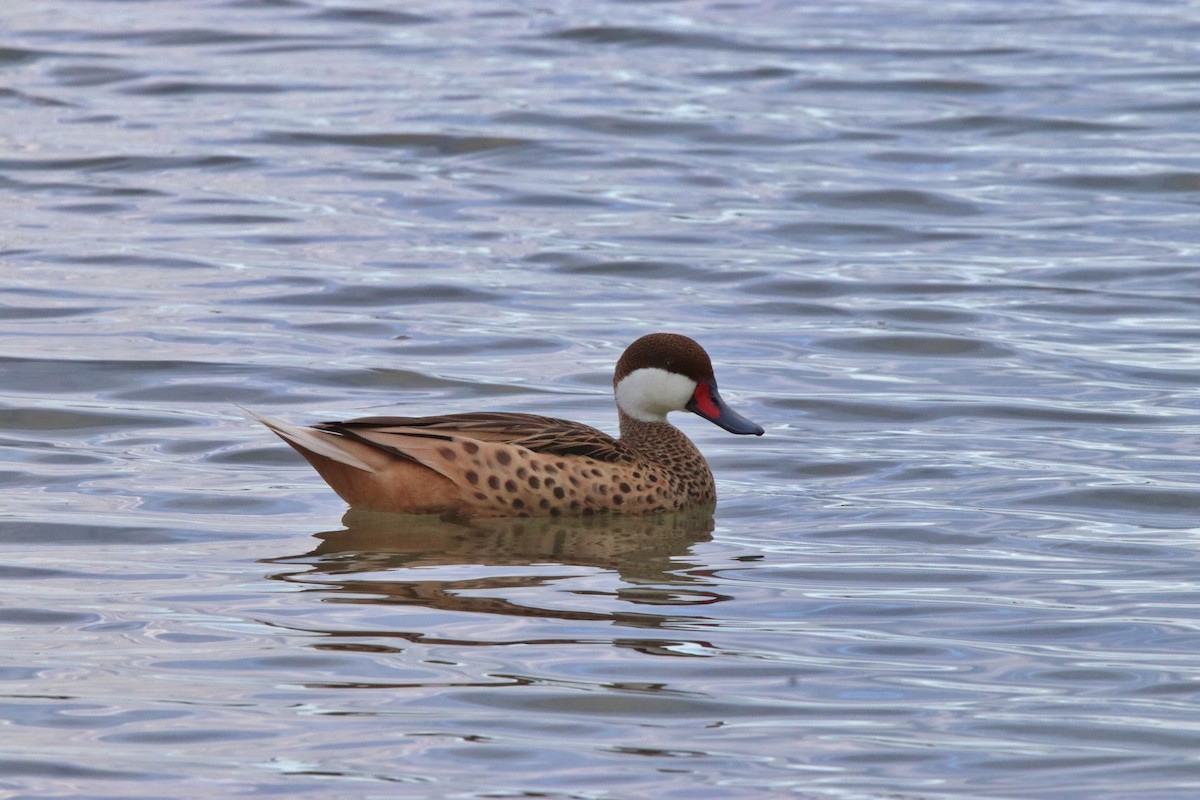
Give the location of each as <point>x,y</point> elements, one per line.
<point>517,465</point>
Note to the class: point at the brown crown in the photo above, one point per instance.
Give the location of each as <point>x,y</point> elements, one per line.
<point>668,351</point>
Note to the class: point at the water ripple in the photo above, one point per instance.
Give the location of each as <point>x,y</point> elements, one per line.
<point>944,254</point>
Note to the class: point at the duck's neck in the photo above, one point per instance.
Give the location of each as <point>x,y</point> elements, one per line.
<point>665,446</point>
<point>647,436</point>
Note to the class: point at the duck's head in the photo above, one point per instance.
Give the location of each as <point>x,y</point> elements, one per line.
<point>664,372</point>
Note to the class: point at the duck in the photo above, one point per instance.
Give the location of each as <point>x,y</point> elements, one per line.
<point>503,464</point>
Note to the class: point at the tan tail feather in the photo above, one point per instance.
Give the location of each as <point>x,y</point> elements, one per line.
<point>323,444</point>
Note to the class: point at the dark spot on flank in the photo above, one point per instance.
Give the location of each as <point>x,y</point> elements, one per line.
<point>510,485</point>
<point>470,447</point>
<point>602,489</point>
<point>534,482</point>
<point>480,496</point>
<point>447,453</point>
<point>559,493</point>
<point>560,464</point>
<point>504,457</point>
<point>551,470</point>
<point>550,482</point>
<point>556,512</point>
<point>493,482</point>
<point>618,500</point>
<point>543,503</point>
<point>635,474</point>
<point>624,487</point>
<point>518,503</point>
<point>472,476</point>
<point>573,480</point>
<point>522,473</point>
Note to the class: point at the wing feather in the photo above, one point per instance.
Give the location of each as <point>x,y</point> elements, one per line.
<point>545,435</point>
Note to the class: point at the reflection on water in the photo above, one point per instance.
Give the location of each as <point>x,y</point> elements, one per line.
<point>392,558</point>
<point>641,549</point>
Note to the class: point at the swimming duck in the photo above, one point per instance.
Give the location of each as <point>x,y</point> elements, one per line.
<point>495,464</point>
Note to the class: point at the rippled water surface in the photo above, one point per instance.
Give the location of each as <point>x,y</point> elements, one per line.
<point>945,253</point>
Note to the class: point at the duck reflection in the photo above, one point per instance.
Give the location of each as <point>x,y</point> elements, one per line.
<point>447,565</point>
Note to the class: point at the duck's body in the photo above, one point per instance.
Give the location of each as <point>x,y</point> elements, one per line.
<point>505,465</point>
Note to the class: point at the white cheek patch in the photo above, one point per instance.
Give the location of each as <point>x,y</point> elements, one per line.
<point>649,393</point>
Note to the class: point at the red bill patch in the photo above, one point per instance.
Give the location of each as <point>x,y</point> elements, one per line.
<point>705,403</point>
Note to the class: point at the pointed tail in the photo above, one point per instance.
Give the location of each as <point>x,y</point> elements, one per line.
<point>323,444</point>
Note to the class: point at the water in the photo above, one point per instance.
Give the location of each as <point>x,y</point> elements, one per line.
<point>945,254</point>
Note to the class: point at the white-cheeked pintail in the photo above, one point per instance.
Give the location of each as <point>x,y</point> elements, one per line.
<point>511,465</point>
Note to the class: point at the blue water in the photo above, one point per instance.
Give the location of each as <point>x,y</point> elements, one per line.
<point>944,254</point>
